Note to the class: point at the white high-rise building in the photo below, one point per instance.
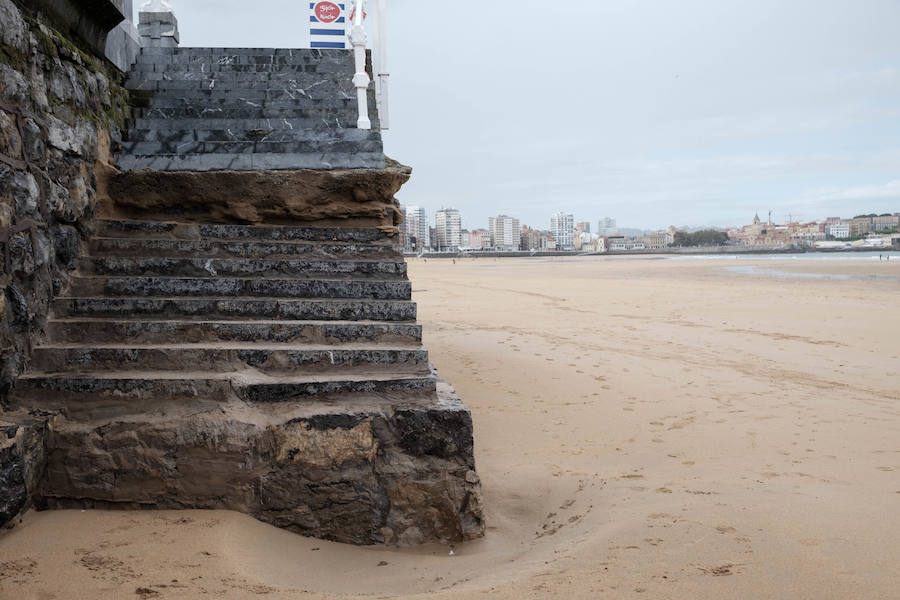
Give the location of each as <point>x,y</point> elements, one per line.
<point>505,232</point>
<point>447,228</point>
<point>606,226</point>
<point>562,228</point>
<point>416,228</point>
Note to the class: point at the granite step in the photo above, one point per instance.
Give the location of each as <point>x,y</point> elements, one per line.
<point>220,356</point>
<point>200,111</point>
<point>108,331</point>
<point>300,67</point>
<point>189,124</point>
<point>235,85</point>
<point>136,390</point>
<point>337,103</point>
<point>236,309</point>
<point>301,78</point>
<point>255,287</point>
<point>222,134</point>
<point>199,267</point>
<point>265,234</point>
<point>286,93</point>
<point>252,161</point>
<point>310,147</point>
<point>229,248</point>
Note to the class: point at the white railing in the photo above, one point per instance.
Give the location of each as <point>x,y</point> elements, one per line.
<point>361,80</point>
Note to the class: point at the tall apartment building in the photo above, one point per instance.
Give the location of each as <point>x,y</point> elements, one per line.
<point>416,229</point>
<point>606,226</point>
<point>505,232</point>
<point>562,227</point>
<point>447,228</point>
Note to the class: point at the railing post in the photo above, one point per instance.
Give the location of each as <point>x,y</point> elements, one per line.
<point>361,78</point>
<point>382,75</point>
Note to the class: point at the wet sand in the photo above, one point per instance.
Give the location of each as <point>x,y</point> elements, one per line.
<point>644,429</point>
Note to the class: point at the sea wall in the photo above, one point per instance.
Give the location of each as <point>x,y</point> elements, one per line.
<point>60,105</point>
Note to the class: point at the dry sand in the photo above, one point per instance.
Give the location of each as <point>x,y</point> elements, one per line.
<point>644,429</point>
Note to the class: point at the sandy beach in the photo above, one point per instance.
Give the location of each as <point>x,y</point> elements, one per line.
<point>645,428</point>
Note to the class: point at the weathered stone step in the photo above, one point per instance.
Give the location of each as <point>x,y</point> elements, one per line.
<point>103,331</point>
<point>301,68</point>
<point>298,111</point>
<point>267,234</point>
<point>236,84</point>
<point>229,357</point>
<point>209,248</point>
<point>360,137</point>
<point>230,308</point>
<point>252,161</point>
<point>169,287</point>
<point>284,78</point>
<point>264,146</point>
<point>244,56</point>
<point>122,389</point>
<point>236,101</point>
<point>199,267</point>
<point>290,93</point>
<point>189,124</point>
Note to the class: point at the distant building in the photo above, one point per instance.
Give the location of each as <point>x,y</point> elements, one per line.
<point>656,240</point>
<point>505,232</point>
<point>860,226</point>
<point>582,227</point>
<point>606,226</point>
<point>447,228</point>
<point>839,230</point>
<point>562,228</point>
<point>479,239</point>
<point>618,243</point>
<point>886,223</point>
<point>534,239</point>
<point>417,238</point>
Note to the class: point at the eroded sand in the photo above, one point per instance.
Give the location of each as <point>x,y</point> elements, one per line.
<point>644,429</point>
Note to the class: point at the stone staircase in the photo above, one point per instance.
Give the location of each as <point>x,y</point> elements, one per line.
<point>271,313</point>
<point>239,331</point>
<point>276,370</point>
<point>248,109</point>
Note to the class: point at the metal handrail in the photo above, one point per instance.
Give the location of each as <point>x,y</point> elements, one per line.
<point>361,80</point>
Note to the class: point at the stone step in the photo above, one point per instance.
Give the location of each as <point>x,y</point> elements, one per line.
<point>301,67</point>
<point>228,248</point>
<point>267,234</point>
<point>107,331</point>
<point>236,308</point>
<point>200,111</point>
<point>170,287</point>
<point>199,267</point>
<point>284,93</point>
<point>252,161</point>
<point>121,389</point>
<point>263,147</point>
<point>288,359</point>
<point>236,85</point>
<point>337,103</point>
<point>244,56</point>
<point>299,78</point>
<point>281,124</point>
<point>360,137</point>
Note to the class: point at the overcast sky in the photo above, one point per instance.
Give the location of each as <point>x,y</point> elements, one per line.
<point>695,112</point>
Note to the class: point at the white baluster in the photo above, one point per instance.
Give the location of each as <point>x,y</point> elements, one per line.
<point>361,78</point>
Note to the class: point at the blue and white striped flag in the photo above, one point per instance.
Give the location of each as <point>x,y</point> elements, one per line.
<point>328,25</point>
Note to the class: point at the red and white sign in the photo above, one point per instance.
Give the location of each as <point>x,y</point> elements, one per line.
<point>327,12</point>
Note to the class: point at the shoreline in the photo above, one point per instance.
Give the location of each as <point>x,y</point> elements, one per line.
<point>704,251</point>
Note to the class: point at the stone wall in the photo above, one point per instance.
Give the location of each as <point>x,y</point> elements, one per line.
<point>58,103</point>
